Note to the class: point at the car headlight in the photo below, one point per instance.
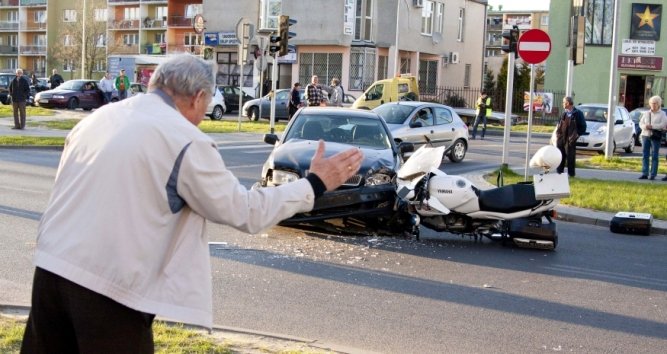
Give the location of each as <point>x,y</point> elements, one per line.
<point>377,179</point>
<point>601,130</point>
<point>58,96</point>
<point>282,177</point>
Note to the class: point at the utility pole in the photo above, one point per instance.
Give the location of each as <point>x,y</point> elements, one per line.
<point>83,42</point>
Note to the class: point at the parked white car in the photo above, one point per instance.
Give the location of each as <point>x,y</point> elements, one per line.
<point>596,129</point>
<point>217,106</point>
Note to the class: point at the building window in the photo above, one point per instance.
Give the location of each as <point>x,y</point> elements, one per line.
<point>270,13</point>
<point>101,40</point>
<point>363,24</point>
<point>13,63</point>
<point>39,40</point>
<point>428,76</point>
<point>383,66</point>
<point>459,36</point>
<point>160,37</point>
<point>599,18</point>
<point>406,63</point>
<point>67,40</point>
<point>466,76</point>
<point>69,15</point>
<point>68,65</point>
<point>427,18</point>
<point>13,16</point>
<point>161,12</point>
<point>101,65</point>
<point>325,65</point>
<point>192,10</point>
<point>439,22</point>
<point>40,16</point>
<point>131,13</point>
<point>191,39</point>
<point>362,68</point>
<point>544,20</point>
<point>130,39</point>
<point>13,40</point>
<point>228,70</point>
<point>100,15</point>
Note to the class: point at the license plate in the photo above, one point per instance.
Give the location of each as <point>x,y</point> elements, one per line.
<point>44,100</point>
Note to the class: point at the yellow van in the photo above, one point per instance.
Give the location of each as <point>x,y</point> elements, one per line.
<point>404,87</point>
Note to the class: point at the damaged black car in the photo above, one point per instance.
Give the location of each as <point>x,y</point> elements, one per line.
<point>370,193</point>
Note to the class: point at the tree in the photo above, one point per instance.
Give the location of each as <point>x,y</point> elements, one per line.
<point>67,47</point>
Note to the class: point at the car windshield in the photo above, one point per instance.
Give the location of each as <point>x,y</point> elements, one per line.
<point>72,85</point>
<point>394,113</point>
<point>357,131</point>
<point>594,114</point>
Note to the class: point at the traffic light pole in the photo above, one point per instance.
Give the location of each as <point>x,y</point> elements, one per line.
<point>274,74</point>
<point>508,106</point>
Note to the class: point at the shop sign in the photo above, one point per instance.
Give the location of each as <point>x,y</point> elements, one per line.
<point>639,62</point>
<point>227,38</point>
<point>638,47</point>
<point>211,38</point>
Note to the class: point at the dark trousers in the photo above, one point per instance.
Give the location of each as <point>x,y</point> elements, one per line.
<point>569,153</point>
<point>19,114</point>
<point>68,318</point>
<point>107,97</point>
<point>479,119</point>
<point>122,94</point>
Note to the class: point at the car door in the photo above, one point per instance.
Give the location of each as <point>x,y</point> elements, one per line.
<point>623,128</point>
<point>231,97</point>
<point>444,129</point>
<point>420,126</point>
<point>282,98</point>
<point>90,98</point>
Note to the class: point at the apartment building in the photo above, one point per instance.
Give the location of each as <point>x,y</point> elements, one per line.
<point>358,41</point>
<point>355,40</point>
<point>497,21</point>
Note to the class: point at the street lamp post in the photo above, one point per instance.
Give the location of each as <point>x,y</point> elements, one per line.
<point>577,6</point>
<point>83,42</point>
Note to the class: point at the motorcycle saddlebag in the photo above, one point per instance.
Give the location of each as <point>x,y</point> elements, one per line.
<point>631,223</point>
<point>533,233</point>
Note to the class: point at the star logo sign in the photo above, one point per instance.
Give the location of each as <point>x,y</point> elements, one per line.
<point>646,18</point>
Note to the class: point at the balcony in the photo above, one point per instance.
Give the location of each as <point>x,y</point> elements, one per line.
<point>33,2</point>
<point>127,49</point>
<point>32,50</point>
<point>116,2</point>
<point>180,21</point>
<point>33,26</point>
<point>9,49</point>
<point>9,26</point>
<point>155,48</point>
<point>192,49</point>
<point>124,24</point>
<point>150,23</point>
<point>8,3</point>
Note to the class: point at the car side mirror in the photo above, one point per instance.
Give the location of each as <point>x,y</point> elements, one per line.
<point>271,139</point>
<point>405,147</point>
<point>619,121</point>
<point>416,124</point>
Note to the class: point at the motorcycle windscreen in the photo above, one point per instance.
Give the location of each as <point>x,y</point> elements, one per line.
<point>421,162</point>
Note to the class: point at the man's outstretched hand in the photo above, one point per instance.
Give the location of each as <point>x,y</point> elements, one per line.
<point>335,170</point>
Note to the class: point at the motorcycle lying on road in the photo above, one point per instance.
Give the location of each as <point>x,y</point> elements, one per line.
<point>513,214</point>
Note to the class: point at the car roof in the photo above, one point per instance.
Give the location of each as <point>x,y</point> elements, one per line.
<point>341,111</point>
<point>416,103</point>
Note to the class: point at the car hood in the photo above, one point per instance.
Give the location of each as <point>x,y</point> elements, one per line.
<point>594,126</point>
<point>56,91</point>
<point>296,154</point>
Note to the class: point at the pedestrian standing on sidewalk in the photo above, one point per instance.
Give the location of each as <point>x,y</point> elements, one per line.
<point>572,124</point>
<point>102,276</point>
<point>653,123</point>
<point>107,86</point>
<point>122,85</point>
<point>294,99</point>
<point>55,80</point>
<point>313,92</point>
<point>19,90</point>
<point>483,107</point>
<point>336,93</point>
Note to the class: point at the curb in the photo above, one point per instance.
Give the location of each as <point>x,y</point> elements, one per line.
<point>240,336</point>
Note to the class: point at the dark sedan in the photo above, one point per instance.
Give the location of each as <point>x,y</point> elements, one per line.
<point>231,95</point>
<point>370,193</point>
<point>72,94</point>
<point>262,106</point>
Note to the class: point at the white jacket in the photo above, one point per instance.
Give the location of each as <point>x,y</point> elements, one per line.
<point>658,121</point>
<point>127,215</point>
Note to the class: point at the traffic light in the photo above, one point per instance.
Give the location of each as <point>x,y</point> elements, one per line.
<point>274,45</point>
<point>512,37</point>
<point>285,34</point>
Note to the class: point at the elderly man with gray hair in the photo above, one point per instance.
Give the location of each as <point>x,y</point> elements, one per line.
<point>123,236</point>
<point>19,90</point>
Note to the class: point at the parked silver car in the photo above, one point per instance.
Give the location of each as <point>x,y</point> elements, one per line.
<point>426,123</point>
<point>468,115</point>
<point>596,128</point>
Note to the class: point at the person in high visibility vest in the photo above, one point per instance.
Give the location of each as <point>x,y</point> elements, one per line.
<point>483,106</point>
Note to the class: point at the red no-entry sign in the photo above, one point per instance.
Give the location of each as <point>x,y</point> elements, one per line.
<point>534,46</point>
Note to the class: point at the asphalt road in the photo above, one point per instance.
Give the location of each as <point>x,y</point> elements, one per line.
<point>597,293</point>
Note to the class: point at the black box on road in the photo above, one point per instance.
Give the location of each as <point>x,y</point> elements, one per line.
<point>631,223</point>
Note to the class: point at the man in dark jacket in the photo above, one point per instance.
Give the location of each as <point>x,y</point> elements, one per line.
<point>55,80</point>
<point>19,89</point>
<point>572,124</point>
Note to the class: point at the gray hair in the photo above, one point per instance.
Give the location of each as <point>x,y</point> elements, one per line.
<point>569,100</point>
<point>184,75</point>
<point>655,99</point>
